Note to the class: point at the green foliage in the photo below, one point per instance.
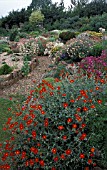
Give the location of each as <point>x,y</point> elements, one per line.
<point>27,57</point>
<point>39,4</point>
<point>22,35</point>
<point>35,33</point>
<point>27,27</point>
<point>94,8</point>
<point>94,23</point>
<point>36,17</point>
<point>13,34</point>
<point>4,47</point>
<point>15,18</point>
<point>17,38</point>
<point>61,69</point>
<point>3,32</point>
<point>65,36</point>
<point>5,69</point>
<point>4,114</point>
<point>97,50</point>
<point>52,39</point>
<point>25,68</point>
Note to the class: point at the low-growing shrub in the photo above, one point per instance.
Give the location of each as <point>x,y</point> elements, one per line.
<point>95,65</point>
<point>65,36</point>
<point>52,127</point>
<point>5,69</point>
<point>79,49</point>
<point>4,47</point>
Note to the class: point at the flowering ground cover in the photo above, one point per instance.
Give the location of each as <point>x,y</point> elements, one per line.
<point>55,127</point>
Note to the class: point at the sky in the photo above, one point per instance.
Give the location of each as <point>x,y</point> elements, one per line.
<point>8,5</point>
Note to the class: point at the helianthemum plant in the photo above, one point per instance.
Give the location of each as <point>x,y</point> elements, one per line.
<point>51,128</point>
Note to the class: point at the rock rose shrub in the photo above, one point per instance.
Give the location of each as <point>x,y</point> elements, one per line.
<point>50,130</point>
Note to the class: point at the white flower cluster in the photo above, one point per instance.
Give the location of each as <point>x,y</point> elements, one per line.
<point>30,48</point>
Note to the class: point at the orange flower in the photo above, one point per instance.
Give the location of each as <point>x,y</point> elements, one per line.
<point>17,152</point>
<point>85,101</point>
<point>42,112</point>
<point>53,168</point>
<point>27,163</point>
<point>55,159</point>
<point>72,101</point>
<point>82,156</point>
<point>69,120</point>
<point>78,117</point>
<point>60,127</point>
<point>92,149</point>
<point>68,151</point>
<point>36,159</point>
<point>41,162</point>
<point>65,105</point>
<point>62,156</point>
<point>34,150</point>
<point>74,126</point>
<point>21,126</point>
<point>71,81</point>
<point>83,125</point>
<point>89,161</point>
<point>92,106</point>
<point>85,109</point>
<point>82,92</point>
<point>102,81</point>
<point>83,136</point>
<point>64,95</point>
<point>99,101</point>
<point>64,137</point>
<point>39,107</point>
<point>29,122</point>
<point>97,88</point>
<point>78,109</point>
<point>44,137</point>
<point>51,93</point>
<point>54,150</point>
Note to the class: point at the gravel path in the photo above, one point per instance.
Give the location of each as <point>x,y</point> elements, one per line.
<point>23,86</point>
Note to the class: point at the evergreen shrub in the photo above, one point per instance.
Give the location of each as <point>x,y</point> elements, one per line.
<point>5,69</point>
<point>65,36</point>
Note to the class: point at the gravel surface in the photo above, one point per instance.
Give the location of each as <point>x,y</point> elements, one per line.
<point>23,86</point>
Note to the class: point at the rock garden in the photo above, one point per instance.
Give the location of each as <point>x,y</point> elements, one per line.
<point>57,88</point>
